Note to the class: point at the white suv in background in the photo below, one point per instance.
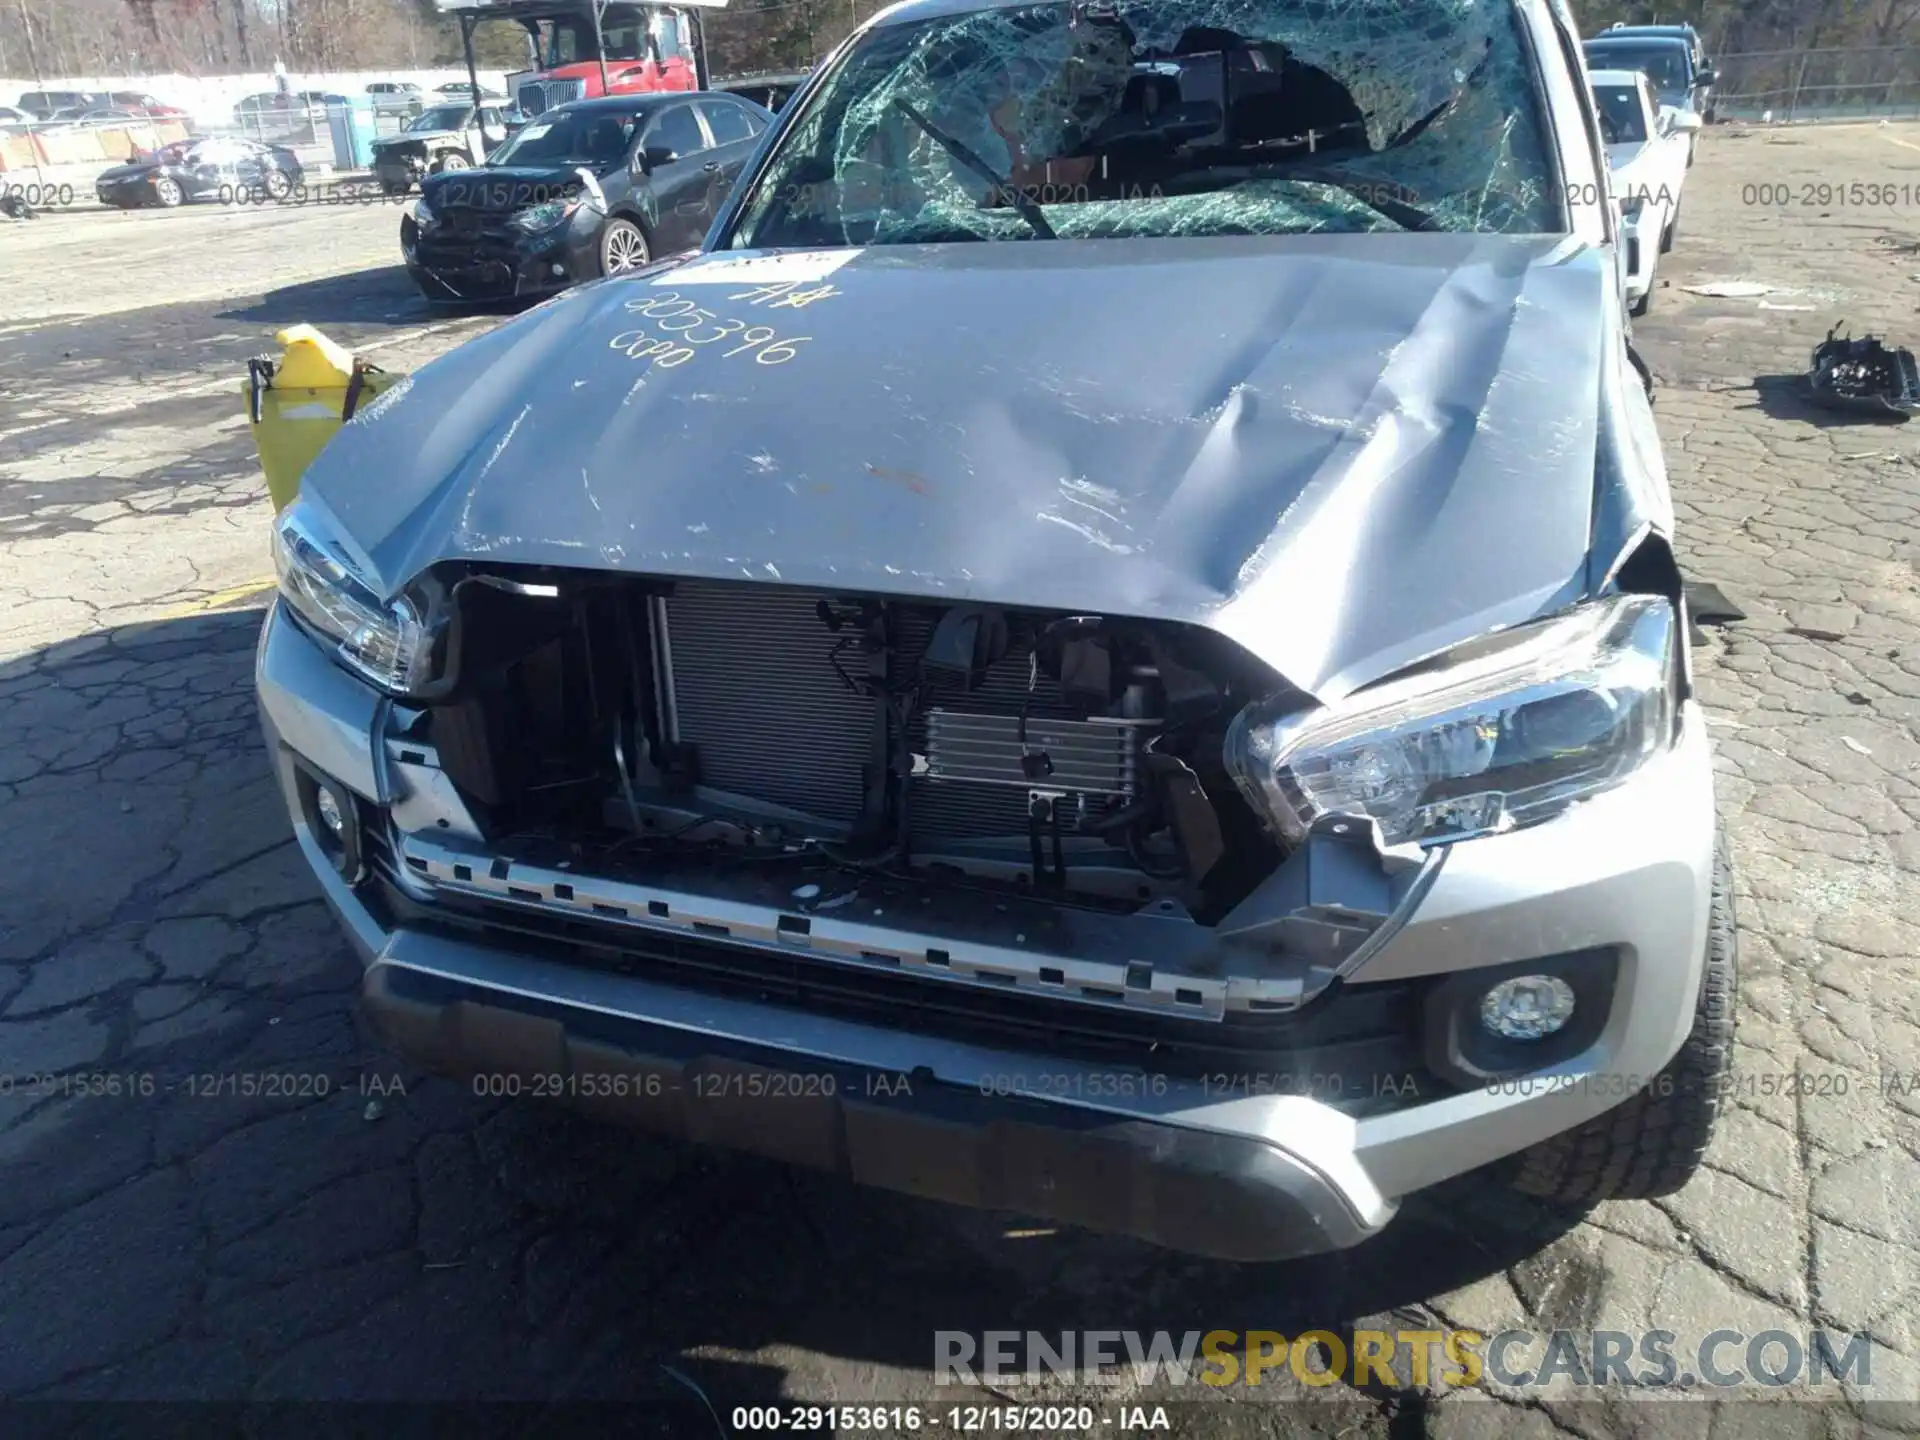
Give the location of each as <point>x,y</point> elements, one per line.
<point>1647,145</point>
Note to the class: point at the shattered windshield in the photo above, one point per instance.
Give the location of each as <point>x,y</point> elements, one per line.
<point>441,117</point>
<point>1193,117</point>
<point>1623,121</point>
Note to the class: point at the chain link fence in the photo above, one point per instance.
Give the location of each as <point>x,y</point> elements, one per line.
<point>1832,84</point>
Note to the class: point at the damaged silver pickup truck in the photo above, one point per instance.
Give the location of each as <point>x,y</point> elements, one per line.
<point>1109,648</point>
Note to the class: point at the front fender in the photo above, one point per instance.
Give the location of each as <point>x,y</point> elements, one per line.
<point>1631,497</point>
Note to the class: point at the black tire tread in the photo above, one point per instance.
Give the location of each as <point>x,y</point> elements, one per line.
<point>1653,1144</point>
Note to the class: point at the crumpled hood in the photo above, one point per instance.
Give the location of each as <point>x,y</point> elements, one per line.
<point>415,137</point>
<point>1344,452</point>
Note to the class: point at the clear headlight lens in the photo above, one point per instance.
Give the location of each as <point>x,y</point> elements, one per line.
<point>386,641</point>
<point>544,216</point>
<point>423,215</point>
<point>1505,732</point>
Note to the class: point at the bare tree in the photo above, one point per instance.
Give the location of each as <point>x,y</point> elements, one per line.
<point>26,29</point>
<point>71,38</point>
<point>239,9</point>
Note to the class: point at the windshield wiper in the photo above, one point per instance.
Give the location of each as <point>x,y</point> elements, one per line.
<point>1364,188</point>
<point>1023,203</point>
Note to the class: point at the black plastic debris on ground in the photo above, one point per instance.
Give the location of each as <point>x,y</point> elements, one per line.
<point>1864,377</point>
<point>1708,603</point>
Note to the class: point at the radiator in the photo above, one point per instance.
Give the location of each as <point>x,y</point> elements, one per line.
<point>755,690</point>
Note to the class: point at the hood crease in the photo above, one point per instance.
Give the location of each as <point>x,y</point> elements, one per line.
<point>1344,452</point>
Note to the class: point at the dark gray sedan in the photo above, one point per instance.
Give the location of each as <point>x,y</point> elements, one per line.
<point>224,169</point>
<point>593,188</point>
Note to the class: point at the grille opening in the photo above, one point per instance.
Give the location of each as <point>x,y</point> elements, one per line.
<point>1336,1046</point>
<point>1071,757</point>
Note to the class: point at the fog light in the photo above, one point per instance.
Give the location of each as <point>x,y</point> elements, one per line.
<point>328,809</point>
<point>559,270</point>
<point>333,820</point>
<point>1527,1007</point>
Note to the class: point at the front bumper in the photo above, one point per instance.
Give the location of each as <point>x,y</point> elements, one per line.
<point>501,264</point>
<point>1192,1163</point>
<point>125,196</point>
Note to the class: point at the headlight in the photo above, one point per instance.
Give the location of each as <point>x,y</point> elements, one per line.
<point>386,641</point>
<point>545,216</point>
<point>1505,732</point>
<point>423,215</point>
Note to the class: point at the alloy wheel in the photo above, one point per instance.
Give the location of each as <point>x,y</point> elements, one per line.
<point>626,249</point>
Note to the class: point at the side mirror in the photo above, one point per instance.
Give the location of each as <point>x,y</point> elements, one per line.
<point>1707,76</point>
<point>654,156</point>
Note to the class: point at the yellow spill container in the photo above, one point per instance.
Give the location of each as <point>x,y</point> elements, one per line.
<point>296,403</point>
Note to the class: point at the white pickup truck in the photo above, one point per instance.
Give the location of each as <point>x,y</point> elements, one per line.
<point>1647,147</point>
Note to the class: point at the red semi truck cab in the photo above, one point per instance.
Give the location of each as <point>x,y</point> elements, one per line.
<point>583,48</point>
<point>648,48</point>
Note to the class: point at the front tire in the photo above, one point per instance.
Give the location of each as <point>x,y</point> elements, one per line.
<point>1653,1144</point>
<point>168,192</point>
<point>452,160</point>
<point>1643,304</point>
<point>623,247</point>
<point>279,186</point>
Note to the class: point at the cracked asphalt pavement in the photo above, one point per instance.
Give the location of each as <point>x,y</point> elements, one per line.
<point>271,1208</point>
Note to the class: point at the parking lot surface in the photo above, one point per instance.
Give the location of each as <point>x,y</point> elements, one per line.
<point>234,1195</point>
